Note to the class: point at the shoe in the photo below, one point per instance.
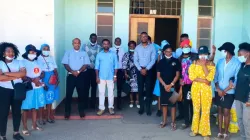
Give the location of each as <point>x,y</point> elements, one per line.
<point>154,102</point>
<point>50,121</point>
<point>140,112</point>
<point>138,106</point>
<point>3,138</point>
<point>111,111</point>
<point>179,118</point>
<point>17,137</point>
<point>159,113</point>
<point>82,115</point>
<point>37,128</point>
<point>206,138</point>
<point>149,113</point>
<point>131,105</point>
<point>100,112</point>
<point>184,126</point>
<point>192,134</point>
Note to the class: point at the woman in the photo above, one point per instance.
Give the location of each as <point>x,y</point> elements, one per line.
<point>10,70</point>
<point>242,95</point>
<point>156,91</point>
<point>34,98</point>
<point>168,73</point>
<point>202,74</point>
<point>130,73</point>
<point>49,67</point>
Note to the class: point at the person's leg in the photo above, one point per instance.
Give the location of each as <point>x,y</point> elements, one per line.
<point>220,119</point>
<point>239,109</point>
<point>159,112</point>
<point>24,119</point>
<point>70,86</point>
<point>102,88</point>
<point>186,106</point>
<point>93,88</point>
<point>226,119</point>
<point>173,116</point>
<point>41,114</point>
<point>110,85</point>
<point>148,92</point>
<point>34,118</point>
<point>131,96</point>
<point>246,119</point>
<point>5,102</point>
<point>141,82</point>
<point>16,114</point>
<point>49,112</point>
<point>81,91</point>
<point>164,116</point>
<point>120,81</point>
<point>180,111</point>
<point>196,98</point>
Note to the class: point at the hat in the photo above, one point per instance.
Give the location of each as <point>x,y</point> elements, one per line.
<point>228,46</point>
<point>166,47</point>
<point>44,45</point>
<point>163,43</point>
<point>203,50</point>
<point>244,46</point>
<point>29,48</point>
<point>186,42</point>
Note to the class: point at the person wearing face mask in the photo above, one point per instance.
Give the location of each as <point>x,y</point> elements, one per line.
<point>35,98</point>
<point>11,69</point>
<point>242,91</point>
<point>92,48</point>
<point>76,62</point>
<point>130,73</point>
<point>225,80</point>
<point>119,51</point>
<point>168,73</point>
<point>51,80</point>
<point>201,73</point>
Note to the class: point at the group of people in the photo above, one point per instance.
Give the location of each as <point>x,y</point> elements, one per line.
<point>147,67</point>
<point>38,72</point>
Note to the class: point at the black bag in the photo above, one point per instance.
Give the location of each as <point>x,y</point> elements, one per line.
<point>20,89</point>
<point>126,87</point>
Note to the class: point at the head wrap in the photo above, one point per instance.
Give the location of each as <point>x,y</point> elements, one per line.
<point>164,43</point>
<point>186,42</point>
<point>44,45</point>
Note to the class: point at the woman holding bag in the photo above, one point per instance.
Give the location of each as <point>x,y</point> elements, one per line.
<point>10,70</point>
<point>50,79</point>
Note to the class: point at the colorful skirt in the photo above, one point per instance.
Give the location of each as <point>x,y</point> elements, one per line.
<point>53,92</point>
<point>157,91</point>
<point>35,99</point>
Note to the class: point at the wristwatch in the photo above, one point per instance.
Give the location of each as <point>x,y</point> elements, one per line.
<point>172,84</point>
<point>78,71</point>
<point>115,76</point>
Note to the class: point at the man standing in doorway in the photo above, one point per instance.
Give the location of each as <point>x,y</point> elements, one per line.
<point>92,49</point>
<point>118,50</point>
<point>144,59</point>
<point>106,66</point>
<point>75,62</point>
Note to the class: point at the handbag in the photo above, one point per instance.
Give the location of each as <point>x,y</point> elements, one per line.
<point>53,78</point>
<point>174,98</point>
<point>20,89</point>
<point>126,87</point>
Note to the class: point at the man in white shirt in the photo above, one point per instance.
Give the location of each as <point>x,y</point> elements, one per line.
<point>119,50</point>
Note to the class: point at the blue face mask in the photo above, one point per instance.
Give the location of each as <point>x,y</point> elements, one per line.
<point>186,50</point>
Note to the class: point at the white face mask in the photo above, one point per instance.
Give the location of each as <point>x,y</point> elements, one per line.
<point>168,57</point>
<point>117,47</point>
<point>9,58</point>
<point>223,53</point>
<point>203,57</point>
<point>131,50</point>
<point>46,53</point>
<point>92,44</point>
<point>242,59</point>
<point>186,50</point>
<point>31,56</point>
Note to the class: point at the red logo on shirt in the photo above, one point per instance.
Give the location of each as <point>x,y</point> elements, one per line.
<point>36,70</point>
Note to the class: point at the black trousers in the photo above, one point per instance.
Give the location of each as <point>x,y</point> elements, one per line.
<point>120,82</point>
<point>145,81</point>
<point>93,85</point>
<point>154,77</point>
<point>7,101</point>
<point>80,83</point>
<point>187,105</point>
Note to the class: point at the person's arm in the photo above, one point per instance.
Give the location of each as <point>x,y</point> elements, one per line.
<point>19,74</point>
<point>212,54</point>
<point>86,63</point>
<point>160,79</point>
<point>5,78</point>
<point>205,69</point>
<point>192,72</point>
<point>97,67</point>
<point>136,59</point>
<point>211,73</point>
<point>152,60</point>
<point>67,67</point>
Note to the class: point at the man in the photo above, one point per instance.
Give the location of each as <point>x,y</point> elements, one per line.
<point>118,50</point>
<point>75,62</point>
<point>227,69</point>
<point>242,94</point>
<point>106,66</point>
<point>92,48</point>
<point>144,59</point>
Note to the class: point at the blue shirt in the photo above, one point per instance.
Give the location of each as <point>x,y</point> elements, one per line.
<point>144,56</point>
<point>75,59</point>
<point>106,63</point>
<point>226,71</point>
<point>157,48</point>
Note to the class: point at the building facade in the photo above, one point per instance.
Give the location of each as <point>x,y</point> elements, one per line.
<point>57,22</point>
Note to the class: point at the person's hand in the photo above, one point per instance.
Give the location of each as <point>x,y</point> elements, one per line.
<point>203,62</point>
<point>231,85</point>
<point>46,88</point>
<point>57,83</point>
<point>247,104</point>
<point>36,81</point>
<point>207,82</point>
<point>181,82</point>
<point>143,72</point>
<point>213,49</point>
<point>168,88</point>
<point>219,92</point>
<point>115,79</point>
<point>98,80</point>
<point>224,93</point>
<point>75,73</point>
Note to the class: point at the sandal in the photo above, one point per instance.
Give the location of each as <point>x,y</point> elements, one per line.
<point>41,122</point>
<point>37,128</point>
<point>50,121</point>
<point>225,137</point>
<point>162,125</point>
<point>192,134</point>
<point>206,138</point>
<point>219,136</point>
<point>26,132</point>
<point>184,126</point>
<point>173,126</point>
<point>3,138</point>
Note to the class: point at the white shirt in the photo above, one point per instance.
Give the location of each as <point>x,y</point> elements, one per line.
<point>14,66</point>
<point>47,63</point>
<point>33,70</point>
<point>120,55</point>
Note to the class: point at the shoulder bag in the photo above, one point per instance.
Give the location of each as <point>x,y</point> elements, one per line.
<point>53,79</point>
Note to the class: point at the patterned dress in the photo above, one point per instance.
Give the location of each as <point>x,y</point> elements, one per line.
<point>129,66</point>
<point>202,99</point>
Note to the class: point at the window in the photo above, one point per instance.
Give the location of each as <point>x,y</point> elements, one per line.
<point>155,7</point>
<point>104,19</point>
<point>205,23</point>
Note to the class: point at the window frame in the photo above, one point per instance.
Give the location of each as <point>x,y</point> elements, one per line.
<point>105,14</point>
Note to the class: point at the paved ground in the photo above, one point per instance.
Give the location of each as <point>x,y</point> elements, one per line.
<point>131,127</point>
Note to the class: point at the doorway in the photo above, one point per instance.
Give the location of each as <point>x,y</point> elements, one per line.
<point>167,29</point>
